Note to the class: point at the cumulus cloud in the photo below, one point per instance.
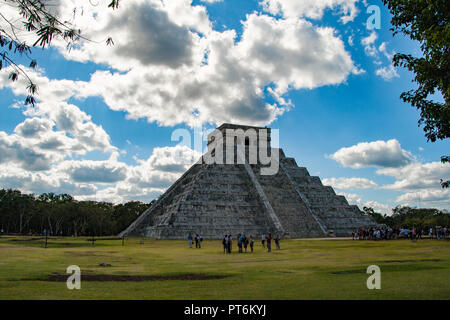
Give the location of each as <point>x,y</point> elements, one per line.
<point>227,80</point>
<point>429,197</point>
<point>387,73</point>
<point>356,199</point>
<point>369,44</point>
<point>14,150</point>
<point>145,33</point>
<point>104,180</point>
<point>380,153</point>
<point>95,171</point>
<point>350,183</point>
<point>172,159</point>
<point>313,9</point>
<point>175,68</point>
<point>33,127</point>
<point>13,176</point>
<point>416,176</point>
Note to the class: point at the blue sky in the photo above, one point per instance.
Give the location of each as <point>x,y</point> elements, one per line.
<point>102,128</point>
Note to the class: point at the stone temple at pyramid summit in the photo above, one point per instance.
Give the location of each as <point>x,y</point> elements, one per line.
<point>243,185</point>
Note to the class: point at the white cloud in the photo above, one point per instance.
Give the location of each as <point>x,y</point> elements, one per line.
<point>417,176</point>
<point>13,176</point>
<point>145,33</point>
<point>350,40</point>
<point>380,153</point>
<point>175,68</point>
<point>14,150</point>
<point>369,44</point>
<point>350,183</point>
<point>387,73</point>
<point>378,207</point>
<point>88,171</point>
<point>382,48</point>
<point>103,180</point>
<point>313,9</point>
<point>226,81</point>
<point>439,197</point>
<point>356,199</point>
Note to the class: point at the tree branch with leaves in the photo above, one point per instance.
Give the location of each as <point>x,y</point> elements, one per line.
<point>36,18</point>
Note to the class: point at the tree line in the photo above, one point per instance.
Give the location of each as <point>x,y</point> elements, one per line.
<point>62,215</point>
<point>408,217</point>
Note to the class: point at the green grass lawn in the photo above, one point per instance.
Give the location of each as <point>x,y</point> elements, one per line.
<point>302,269</point>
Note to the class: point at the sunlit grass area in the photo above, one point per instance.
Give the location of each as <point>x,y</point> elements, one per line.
<point>302,269</point>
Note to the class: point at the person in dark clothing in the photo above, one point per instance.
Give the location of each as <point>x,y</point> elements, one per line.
<point>240,240</point>
<point>269,242</point>
<point>245,243</point>
<point>251,244</point>
<point>225,243</point>
<point>196,240</point>
<point>190,240</point>
<point>230,243</point>
<point>277,242</point>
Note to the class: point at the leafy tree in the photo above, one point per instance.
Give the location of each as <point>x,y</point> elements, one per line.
<point>407,217</point>
<point>426,21</point>
<point>39,19</point>
<point>61,214</point>
<point>378,217</point>
<point>445,184</point>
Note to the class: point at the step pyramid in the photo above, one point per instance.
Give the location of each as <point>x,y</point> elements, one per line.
<point>219,198</point>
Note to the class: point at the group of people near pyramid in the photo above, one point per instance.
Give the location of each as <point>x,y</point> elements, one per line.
<point>243,242</point>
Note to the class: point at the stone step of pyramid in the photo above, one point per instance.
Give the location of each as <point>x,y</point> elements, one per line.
<point>290,209</point>
<point>333,210</point>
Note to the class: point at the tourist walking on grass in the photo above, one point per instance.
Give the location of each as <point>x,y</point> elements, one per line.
<point>430,233</point>
<point>263,239</point>
<point>200,239</point>
<point>230,243</point>
<point>190,240</point>
<point>196,240</point>
<point>251,243</point>
<point>277,241</point>
<point>240,239</point>
<point>245,242</point>
<point>269,242</point>
<point>225,243</point>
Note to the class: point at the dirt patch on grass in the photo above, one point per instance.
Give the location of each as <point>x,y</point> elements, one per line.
<point>388,261</point>
<point>83,254</point>
<point>112,277</point>
<point>9,247</point>
<point>348,272</point>
<point>27,239</point>
<point>421,260</point>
